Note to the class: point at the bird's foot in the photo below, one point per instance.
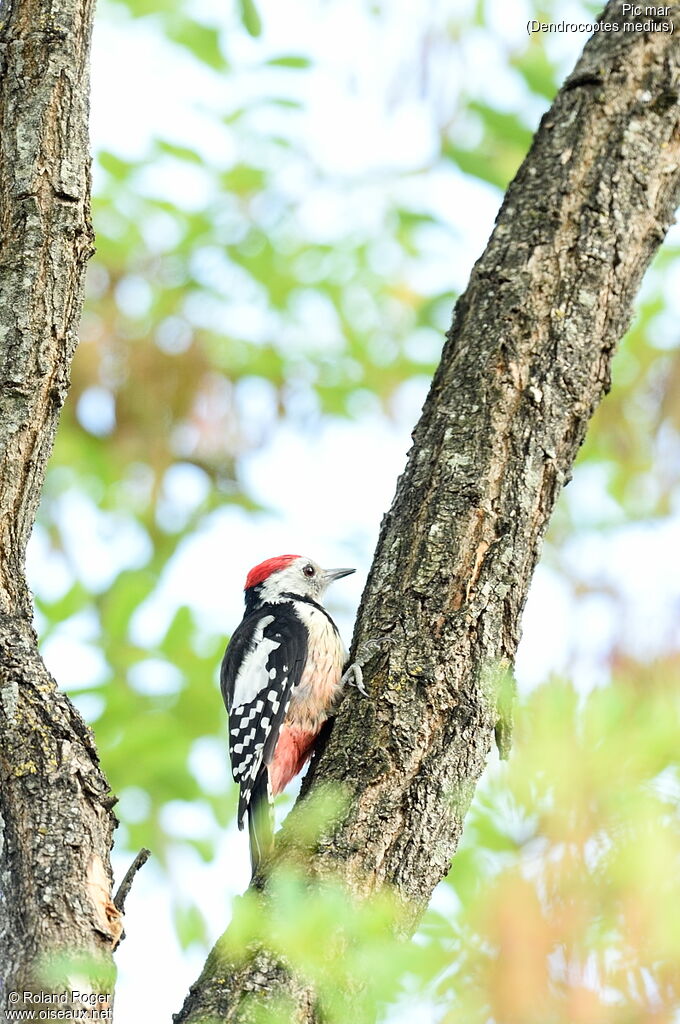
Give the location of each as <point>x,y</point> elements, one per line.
<point>353,676</point>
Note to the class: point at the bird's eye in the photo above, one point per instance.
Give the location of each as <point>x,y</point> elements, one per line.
<point>309,570</point>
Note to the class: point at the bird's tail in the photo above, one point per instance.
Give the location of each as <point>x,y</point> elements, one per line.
<point>260,823</point>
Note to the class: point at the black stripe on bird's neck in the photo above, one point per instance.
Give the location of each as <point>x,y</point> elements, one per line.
<point>254,601</point>
<point>309,600</point>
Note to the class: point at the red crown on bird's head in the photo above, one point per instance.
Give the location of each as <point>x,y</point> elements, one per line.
<point>261,572</point>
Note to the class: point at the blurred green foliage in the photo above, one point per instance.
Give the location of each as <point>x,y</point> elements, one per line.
<point>567,885</point>
<point>349,951</point>
<point>190,301</point>
<point>561,906</point>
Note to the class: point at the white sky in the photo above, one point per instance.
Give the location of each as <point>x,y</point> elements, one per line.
<point>334,488</point>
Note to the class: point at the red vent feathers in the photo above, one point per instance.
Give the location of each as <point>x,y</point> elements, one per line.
<point>263,571</point>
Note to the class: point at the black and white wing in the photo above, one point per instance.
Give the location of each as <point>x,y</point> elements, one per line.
<point>261,667</point>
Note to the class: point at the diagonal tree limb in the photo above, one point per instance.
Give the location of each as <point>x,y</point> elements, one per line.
<point>526,362</point>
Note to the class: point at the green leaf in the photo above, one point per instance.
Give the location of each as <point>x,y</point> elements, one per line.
<point>250,17</point>
<point>537,70</point>
<point>202,41</point>
<point>121,601</point>
<point>119,169</point>
<point>243,179</point>
<point>503,126</point>
<point>291,61</point>
<point>74,600</point>
<point>190,925</point>
<point>181,152</point>
<point>479,164</point>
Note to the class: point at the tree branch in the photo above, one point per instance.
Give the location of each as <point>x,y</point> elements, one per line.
<point>123,890</point>
<point>526,362</point>
<point>55,807</point>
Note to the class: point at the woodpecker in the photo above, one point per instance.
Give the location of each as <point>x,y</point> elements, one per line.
<point>281,678</point>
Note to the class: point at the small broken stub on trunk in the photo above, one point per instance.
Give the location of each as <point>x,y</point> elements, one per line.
<point>108,918</point>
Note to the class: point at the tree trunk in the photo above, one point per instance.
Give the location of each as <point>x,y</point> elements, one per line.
<point>526,362</point>
<point>56,915</point>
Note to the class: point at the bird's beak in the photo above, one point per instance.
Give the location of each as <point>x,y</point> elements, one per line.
<point>336,574</point>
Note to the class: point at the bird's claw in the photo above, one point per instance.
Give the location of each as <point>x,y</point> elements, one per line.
<point>353,676</point>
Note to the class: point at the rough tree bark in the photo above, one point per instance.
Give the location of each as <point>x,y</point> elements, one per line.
<point>526,361</point>
<point>55,818</point>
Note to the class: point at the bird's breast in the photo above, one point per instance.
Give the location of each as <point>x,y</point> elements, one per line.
<point>317,693</point>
